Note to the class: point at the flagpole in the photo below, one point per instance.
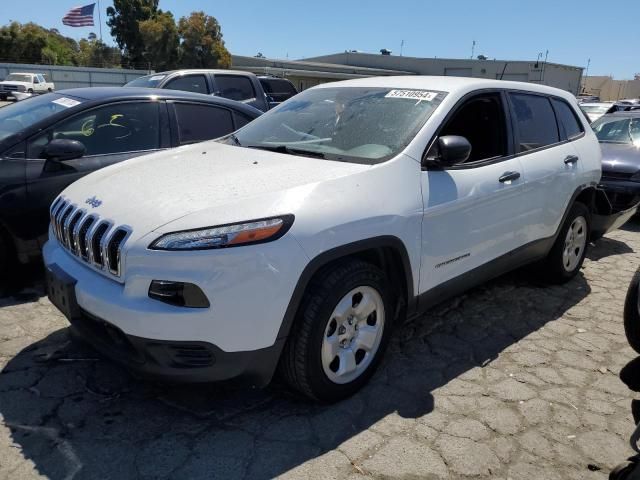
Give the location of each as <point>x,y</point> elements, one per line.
<point>100,20</point>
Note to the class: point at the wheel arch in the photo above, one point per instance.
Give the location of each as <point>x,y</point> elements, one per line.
<point>387,252</point>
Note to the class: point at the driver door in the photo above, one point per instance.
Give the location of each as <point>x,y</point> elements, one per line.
<point>111,133</point>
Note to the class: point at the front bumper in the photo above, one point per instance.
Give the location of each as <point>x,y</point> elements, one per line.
<point>236,337</point>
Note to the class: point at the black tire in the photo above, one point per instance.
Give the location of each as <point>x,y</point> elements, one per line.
<point>30,90</point>
<point>631,314</point>
<point>301,363</point>
<point>7,259</point>
<point>552,268</point>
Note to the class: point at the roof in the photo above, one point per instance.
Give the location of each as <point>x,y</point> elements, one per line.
<point>121,93</point>
<point>199,70</point>
<point>447,84</point>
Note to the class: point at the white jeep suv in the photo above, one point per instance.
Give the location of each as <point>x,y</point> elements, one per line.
<point>299,242</point>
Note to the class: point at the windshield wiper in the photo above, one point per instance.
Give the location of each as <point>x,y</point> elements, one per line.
<point>288,150</point>
<point>233,137</point>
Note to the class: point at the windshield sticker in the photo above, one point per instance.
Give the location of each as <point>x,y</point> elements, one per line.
<point>419,95</point>
<point>155,78</point>
<point>66,102</point>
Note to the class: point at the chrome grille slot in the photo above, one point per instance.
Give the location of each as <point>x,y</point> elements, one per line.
<point>91,239</point>
<point>112,250</point>
<point>96,243</point>
<point>83,240</point>
<point>62,224</point>
<point>74,220</point>
<point>56,220</point>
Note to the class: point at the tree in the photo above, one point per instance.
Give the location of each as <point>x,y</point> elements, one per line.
<point>31,43</point>
<point>94,53</point>
<point>202,45</point>
<point>124,20</point>
<point>160,38</point>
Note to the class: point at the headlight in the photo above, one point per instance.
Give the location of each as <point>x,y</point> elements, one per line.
<point>233,235</point>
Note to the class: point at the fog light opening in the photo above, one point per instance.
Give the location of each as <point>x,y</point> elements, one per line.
<point>179,294</point>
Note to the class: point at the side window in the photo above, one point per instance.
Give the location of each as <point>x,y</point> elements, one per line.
<point>480,120</point>
<point>535,121</point>
<point>234,87</point>
<point>241,120</point>
<point>117,128</point>
<point>36,79</point>
<point>189,83</point>
<point>197,123</point>
<point>567,118</point>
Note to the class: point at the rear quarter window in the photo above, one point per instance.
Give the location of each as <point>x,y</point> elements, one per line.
<point>567,119</point>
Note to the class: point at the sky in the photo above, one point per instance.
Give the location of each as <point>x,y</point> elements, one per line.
<point>572,31</point>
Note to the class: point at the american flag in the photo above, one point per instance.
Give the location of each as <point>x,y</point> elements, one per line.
<point>79,16</point>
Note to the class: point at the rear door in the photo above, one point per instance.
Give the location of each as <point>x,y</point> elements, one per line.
<point>110,133</point>
<point>550,161</point>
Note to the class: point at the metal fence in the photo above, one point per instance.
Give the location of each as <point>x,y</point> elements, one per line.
<point>75,77</point>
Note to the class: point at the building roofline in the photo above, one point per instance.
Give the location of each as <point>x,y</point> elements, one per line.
<point>378,55</point>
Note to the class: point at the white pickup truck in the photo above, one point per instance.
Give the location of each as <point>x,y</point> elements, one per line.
<point>24,83</point>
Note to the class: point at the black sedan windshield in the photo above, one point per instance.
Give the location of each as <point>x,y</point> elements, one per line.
<point>356,124</point>
<point>21,115</point>
<point>614,129</point>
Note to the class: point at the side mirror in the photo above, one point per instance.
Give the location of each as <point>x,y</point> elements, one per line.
<point>62,149</point>
<point>453,149</point>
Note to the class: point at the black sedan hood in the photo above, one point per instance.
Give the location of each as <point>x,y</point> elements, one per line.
<point>621,158</point>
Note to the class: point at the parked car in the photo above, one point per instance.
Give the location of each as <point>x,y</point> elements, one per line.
<point>595,110</point>
<point>305,237</point>
<point>232,84</point>
<point>588,99</point>
<point>277,89</point>
<point>24,83</point>
<point>623,107</point>
<point>49,141</point>
<point>619,137</point>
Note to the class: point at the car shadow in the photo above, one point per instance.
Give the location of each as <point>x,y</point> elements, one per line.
<point>607,247</point>
<point>73,413</point>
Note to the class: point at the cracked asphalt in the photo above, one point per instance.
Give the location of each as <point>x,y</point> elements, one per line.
<point>510,381</point>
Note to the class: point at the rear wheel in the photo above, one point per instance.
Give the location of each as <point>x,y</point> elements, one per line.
<point>340,333</point>
<point>568,252</point>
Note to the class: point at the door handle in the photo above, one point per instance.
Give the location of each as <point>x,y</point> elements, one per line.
<point>571,159</point>
<point>508,176</point>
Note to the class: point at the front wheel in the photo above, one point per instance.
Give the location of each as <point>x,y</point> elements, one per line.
<point>340,333</point>
<point>569,250</point>
<point>30,90</point>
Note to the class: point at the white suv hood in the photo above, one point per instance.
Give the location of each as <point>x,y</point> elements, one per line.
<point>229,183</point>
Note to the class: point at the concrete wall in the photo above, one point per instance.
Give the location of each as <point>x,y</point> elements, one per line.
<point>74,77</point>
<point>609,89</point>
<point>565,77</point>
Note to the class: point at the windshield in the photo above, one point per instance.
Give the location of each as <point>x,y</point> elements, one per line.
<point>18,77</point>
<point>618,130</point>
<point>18,116</point>
<point>150,81</point>
<point>355,124</point>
